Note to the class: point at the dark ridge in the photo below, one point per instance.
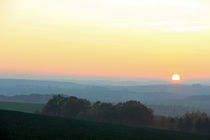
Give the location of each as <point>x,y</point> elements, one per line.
<point>18,125</point>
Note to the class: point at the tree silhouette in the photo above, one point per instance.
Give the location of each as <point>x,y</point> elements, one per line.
<point>130,112</point>
<point>72,106</point>
<point>53,106</point>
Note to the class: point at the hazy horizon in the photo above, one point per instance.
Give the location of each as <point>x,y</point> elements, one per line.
<point>98,80</point>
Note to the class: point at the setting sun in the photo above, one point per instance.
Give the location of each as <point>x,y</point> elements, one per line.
<point>176,77</point>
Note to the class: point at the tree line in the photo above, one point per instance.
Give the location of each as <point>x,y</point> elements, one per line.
<point>192,122</point>
<point>130,112</point>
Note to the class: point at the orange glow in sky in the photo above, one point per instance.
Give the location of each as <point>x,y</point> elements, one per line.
<point>125,38</point>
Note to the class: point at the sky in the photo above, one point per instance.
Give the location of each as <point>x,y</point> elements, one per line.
<point>115,38</point>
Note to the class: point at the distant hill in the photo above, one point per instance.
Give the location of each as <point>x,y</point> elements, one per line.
<point>169,94</point>
<point>17,125</point>
<point>204,98</point>
<point>173,110</point>
<point>19,86</point>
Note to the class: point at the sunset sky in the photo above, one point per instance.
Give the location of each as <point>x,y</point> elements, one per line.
<point>122,38</point>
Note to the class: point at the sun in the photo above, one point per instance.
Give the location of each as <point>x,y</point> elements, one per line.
<point>175,77</point>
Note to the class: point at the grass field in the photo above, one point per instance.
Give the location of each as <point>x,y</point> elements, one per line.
<point>18,125</point>
<point>22,107</point>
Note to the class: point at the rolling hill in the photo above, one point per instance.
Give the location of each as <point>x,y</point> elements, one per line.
<point>18,125</point>
<point>37,91</point>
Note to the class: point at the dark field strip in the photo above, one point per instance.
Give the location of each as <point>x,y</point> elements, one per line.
<point>22,107</point>
<point>18,125</point>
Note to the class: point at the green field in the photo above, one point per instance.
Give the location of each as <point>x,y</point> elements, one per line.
<point>23,107</point>
<point>18,125</point>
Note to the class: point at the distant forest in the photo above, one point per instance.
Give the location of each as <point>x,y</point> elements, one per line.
<point>129,113</point>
